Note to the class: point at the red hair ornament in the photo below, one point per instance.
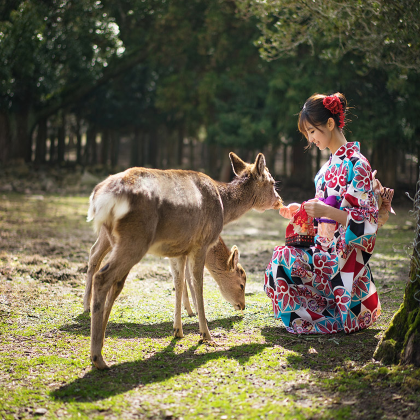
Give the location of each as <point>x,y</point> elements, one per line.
<point>334,105</point>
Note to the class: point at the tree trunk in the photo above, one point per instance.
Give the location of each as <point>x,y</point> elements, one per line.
<point>180,147</point>
<point>115,149</point>
<point>384,162</point>
<point>4,137</point>
<point>226,168</point>
<point>90,147</point>
<point>23,145</point>
<point>285,160</point>
<point>153,148</point>
<point>301,174</point>
<point>401,342</point>
<point>61,145</point>
<point>78,141</point>
<point>52,146</point>
<point>105,143</point>
<point>41,141</point>
<point>135,148</point>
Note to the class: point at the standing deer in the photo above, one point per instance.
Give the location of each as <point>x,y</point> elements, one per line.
<point>170,213</point>
<point>222,264</point>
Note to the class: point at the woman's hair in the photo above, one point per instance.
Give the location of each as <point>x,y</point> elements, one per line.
<point>315,112</point>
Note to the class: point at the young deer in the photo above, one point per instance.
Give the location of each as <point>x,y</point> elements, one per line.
<point>172,213</point>
<point>222,264</point>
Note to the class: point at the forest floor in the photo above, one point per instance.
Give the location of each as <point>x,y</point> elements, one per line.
<point>257,370</point>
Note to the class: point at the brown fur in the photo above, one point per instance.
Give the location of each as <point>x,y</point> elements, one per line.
<point>173,213</point>
<point>223,265</point>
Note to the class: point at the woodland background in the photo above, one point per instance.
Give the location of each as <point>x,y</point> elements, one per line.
<point>105,85</point>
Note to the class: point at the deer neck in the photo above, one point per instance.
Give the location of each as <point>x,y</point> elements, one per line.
<point>236,199</point>
<point>216,259</point>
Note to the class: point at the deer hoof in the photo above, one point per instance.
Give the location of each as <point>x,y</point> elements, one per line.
<point>178,333</point>
<point>99,362</point>
<point>207,339</point>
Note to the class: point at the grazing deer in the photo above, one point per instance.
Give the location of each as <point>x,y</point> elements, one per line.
<point>171,213</point>
<point>221,263</point>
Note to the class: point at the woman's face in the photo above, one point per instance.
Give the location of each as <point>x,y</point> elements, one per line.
<point>320,136</point>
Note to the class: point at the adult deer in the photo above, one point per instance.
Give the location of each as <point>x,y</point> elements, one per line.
<point>222,264</point>
<point>172,213</point>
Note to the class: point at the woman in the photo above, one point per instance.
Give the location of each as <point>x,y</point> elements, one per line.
<point>328,287</point>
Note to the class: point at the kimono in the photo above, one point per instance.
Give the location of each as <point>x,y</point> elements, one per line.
<point>328,287</point>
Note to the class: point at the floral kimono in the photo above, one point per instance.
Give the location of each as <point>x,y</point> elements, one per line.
<point>329,287</point>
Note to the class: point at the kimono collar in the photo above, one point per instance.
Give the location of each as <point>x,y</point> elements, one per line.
<point>346,151</point>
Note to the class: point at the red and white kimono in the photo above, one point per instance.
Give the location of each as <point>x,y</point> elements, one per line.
<point>329,287</point>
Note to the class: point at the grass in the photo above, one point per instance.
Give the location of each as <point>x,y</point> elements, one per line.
<point>257,370</point>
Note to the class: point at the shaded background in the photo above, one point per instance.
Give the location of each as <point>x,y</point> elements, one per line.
<point>99,86</point>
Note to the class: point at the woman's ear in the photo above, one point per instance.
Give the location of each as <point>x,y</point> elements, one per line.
<point>330,124</point>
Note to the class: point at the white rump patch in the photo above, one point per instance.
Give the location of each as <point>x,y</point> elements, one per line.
<point>107,208</point>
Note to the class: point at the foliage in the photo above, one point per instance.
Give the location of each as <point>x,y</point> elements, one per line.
<point>385,33</point>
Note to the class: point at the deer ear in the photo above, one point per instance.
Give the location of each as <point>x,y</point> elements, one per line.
<point>259,165</point>
<point>238,165</point>
<point>233,258</point>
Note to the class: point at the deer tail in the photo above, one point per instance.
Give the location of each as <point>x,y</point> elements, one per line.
<point>106,208</point>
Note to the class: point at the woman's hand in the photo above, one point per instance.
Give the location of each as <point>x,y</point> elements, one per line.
<point>316,208</point>
<point>288,211</point>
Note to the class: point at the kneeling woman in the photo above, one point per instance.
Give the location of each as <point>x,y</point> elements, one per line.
<point>328,287</point>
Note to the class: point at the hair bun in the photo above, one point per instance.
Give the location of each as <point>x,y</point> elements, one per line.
<point>343,100</point>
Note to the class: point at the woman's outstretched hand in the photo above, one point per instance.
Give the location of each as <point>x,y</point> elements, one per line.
<point>288,211</point>
<point>316,208</point>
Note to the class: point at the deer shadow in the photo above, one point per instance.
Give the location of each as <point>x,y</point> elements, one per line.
<point>97,385</point>
<point>81,326</point>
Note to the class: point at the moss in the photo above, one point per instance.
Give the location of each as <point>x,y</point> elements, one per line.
<point>388,352</point>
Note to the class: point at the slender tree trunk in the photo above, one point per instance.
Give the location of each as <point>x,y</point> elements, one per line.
<point>78,141</point>
<point>301,174</point>
<point>115,149</point>
<point>418,157</point>
<point>401,342</point>
<point>192,153</point>
<point>180,147</point>
<point>285,161</point>
<point>41,141</point>
<point>52,146</point>
<point>23,145</point>
<point>384,162</point>
<point>61,146</point>
<point>135,148</point>
<point>153,148</point>
<point>271,153</point>
<point>4,137</point>
<point>105,143</point>
<point>90,147</point>
<point>226,168</point>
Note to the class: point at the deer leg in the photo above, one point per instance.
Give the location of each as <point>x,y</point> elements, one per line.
<point>178,272</point>
<point>191,287</point>
<point>97,253</point>
<point>110,299</point>
<point>196,263</point>
<point>186,301</point>
<point>111,276</point>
